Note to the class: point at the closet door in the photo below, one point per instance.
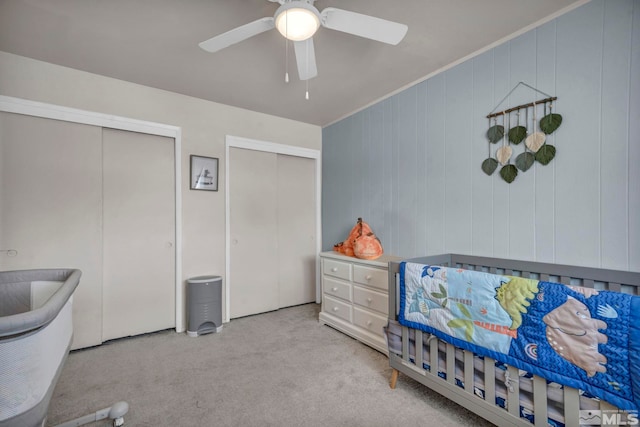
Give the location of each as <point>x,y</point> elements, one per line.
<point>51,207</point>
<point>272,231</point>
<point>253,196</point>
<point>139,233</point>
<point>296,230</point>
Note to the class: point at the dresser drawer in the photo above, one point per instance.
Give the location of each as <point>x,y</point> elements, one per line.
<point>338,269</point>
<point>336,288</point>
<point>337,308</point>
<point>369,321</point>
<point>371,299</point>
<point>370,276</point>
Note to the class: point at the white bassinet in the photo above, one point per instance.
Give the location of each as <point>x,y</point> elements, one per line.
<point>36,331</point>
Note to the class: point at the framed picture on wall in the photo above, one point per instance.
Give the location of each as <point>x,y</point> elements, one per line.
<point>204,173</point>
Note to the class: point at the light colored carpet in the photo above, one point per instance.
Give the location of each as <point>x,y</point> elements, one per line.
<point>275,369</point>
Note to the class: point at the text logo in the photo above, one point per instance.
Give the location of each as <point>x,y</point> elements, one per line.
<point>597,417</point>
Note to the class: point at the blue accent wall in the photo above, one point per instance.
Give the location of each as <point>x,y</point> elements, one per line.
<point>410,164</point>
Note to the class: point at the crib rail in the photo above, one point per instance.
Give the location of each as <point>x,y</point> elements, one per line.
<point>481,388</point>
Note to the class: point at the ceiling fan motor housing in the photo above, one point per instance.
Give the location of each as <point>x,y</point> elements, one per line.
<point>297,20</point>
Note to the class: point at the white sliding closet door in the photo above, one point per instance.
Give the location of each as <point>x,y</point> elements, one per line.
<point>272,231</point>
<point>51,207</point>
<point>253,219</point>
<point>139,233</point>
<point>296,230</point>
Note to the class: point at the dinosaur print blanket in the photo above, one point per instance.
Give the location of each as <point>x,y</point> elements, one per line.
<point>575,336</point>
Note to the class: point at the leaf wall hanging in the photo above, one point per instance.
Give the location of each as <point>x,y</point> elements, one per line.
<point>536,147</point>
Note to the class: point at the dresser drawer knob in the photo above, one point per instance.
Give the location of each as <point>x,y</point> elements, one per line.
<point>369,322</point>
<point>334,269</point>
<point>369,300</point>
<point>368,277</point>
<point>335,308</point>
<point>334,289</point>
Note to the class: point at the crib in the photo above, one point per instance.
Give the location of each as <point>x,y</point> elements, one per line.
<point>502,394</point>
<point>36,331</point>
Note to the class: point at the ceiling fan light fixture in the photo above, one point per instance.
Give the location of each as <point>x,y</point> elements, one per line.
<point>297,21</point>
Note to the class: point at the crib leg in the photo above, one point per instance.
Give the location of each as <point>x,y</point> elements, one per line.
<point>394,378</point>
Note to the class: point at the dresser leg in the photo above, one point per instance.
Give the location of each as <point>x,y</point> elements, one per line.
<point>394,378</point>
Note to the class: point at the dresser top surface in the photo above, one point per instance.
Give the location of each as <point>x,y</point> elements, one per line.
<point>383,261</point>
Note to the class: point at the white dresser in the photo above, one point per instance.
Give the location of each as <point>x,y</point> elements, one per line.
<point>355,296</point>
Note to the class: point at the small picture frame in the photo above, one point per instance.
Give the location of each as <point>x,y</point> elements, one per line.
<point>204,173</point>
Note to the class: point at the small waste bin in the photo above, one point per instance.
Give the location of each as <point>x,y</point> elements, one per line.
<point>204,305</point>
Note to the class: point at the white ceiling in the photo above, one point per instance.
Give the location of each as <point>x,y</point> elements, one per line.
<point>155,43</point>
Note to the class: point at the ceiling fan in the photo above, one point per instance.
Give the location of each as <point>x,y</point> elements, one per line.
<point>298,20</point>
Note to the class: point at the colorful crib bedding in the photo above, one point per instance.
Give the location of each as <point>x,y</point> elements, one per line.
<point>579,337</point>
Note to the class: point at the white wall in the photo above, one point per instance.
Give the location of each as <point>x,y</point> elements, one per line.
<point>410,165</point>
<point>204,125</point>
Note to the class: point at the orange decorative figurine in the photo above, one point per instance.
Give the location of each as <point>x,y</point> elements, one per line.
<point>361,243</point>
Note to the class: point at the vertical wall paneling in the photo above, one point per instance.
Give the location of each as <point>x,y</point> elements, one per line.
<point>431,195</point>
<point>614,136</point>
<point>579,79</point>
<point>544,196</point>
<point>633,161</point>
<point>522,67</point>
<point>422,205</point>
<point>390,169</point>
<point>501,190</point>
<point>407,169</point>
<point>482,185</point>
<point>457,203</point>
<point>436,184</point>
<point>375,173</point>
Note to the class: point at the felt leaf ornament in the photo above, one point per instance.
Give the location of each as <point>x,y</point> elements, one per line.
<point>525,160</point>
<point>550,122</point>
<point>509,173</point>
<point>489,166</point>
<point>517,134</point>
<point>546,154</point>
<point>535,141</point>
<point>503,154</point>
<point>495,133</point>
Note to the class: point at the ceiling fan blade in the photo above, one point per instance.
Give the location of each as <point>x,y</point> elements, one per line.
<point>237,35</point>
<point>363,25</point>
<point>306,59</point>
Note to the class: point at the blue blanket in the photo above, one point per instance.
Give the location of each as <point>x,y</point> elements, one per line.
<point>578,337</point>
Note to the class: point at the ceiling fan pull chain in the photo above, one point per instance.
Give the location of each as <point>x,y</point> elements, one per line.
<point>286,58</point>
<point>306,95</point>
